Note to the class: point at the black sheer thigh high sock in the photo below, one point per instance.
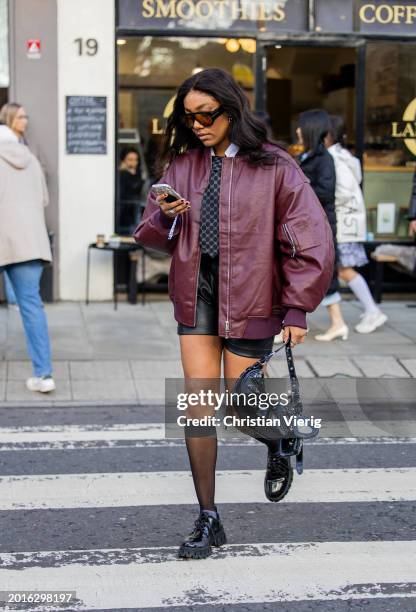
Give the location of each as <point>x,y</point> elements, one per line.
<point>202,452</point>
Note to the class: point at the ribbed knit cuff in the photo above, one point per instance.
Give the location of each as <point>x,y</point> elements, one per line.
<point>295,317</point>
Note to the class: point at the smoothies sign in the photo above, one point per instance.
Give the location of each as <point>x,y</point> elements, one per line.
<point>197,15</point>
<point>406,129</point>
<point>207,9</point>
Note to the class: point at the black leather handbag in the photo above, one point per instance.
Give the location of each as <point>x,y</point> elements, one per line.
<point>284,431</point>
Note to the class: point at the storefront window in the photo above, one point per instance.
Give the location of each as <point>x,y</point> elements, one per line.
<point>301,78</point>
<point>390,127</point>
<point>150,70</point>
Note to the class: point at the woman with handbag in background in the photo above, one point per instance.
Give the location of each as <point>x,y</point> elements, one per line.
<point>351,225</point>
<point>251,252</point>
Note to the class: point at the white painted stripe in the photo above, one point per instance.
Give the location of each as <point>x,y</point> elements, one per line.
<point>55,434</point>
<point>371,428</point>
<point>82,433</point>
<point>236,486</point>
<point>150,578</point>
<point>175,443</point>
<point>365,440</point>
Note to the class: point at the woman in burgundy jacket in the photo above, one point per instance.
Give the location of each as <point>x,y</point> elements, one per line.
<point>252,252</point>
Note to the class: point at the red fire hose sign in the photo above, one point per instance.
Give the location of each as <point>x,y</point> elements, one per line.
<point>33,48</point>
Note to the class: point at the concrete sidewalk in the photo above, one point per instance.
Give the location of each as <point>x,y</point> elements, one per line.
<point>102,356</point>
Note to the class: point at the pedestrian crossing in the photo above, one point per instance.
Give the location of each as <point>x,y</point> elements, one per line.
<point>170,488</point>
<point>48,437</point>
<point>269,572</point>
<point>99,508</point>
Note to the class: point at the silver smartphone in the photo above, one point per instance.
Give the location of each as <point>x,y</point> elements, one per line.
<point>160,188</point>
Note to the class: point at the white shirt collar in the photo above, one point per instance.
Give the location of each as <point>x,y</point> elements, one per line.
<point>231,150</point>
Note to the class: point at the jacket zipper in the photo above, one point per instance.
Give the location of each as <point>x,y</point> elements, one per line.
<point>227,321</point>
<point>196,284</point>
<point>289,236</point>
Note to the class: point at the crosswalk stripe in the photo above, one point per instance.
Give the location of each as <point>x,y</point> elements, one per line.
<point>149,578</point>
<point>81,433</point>
<point>233,486</point>
<point>243,573</point>
<point>63,436</point>
<point>178,442</point>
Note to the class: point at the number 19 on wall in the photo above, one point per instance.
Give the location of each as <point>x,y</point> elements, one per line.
<point>88,46</point>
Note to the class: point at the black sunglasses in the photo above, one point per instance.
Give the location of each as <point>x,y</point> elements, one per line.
<point>205,118</point>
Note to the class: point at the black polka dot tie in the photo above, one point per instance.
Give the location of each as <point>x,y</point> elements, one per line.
<point>208,234</point>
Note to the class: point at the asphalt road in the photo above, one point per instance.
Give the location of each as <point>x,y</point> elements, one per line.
<point>96,501</point>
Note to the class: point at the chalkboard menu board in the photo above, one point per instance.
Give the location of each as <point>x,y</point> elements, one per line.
<point>86,125</point>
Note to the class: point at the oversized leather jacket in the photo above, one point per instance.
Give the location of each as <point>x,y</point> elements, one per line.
<point>276,251</point>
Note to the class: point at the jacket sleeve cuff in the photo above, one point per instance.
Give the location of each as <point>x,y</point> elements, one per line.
<point>295,317</point>
<point>167,223</point>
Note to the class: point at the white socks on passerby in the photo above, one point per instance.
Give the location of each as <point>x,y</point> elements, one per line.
<point>361,290</point>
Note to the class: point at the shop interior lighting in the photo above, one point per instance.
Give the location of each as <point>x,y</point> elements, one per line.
<point>232,45</point>
<point>121,42</point>
<point>248,44</point>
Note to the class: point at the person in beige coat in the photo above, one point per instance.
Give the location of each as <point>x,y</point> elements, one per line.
<point>24,246</point>
<point>15,117</point>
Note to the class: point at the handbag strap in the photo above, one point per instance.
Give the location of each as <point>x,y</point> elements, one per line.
<point>290,364</point>
<point>294,387</point>
<point>294,383</point>
<point>267,357</point>
<point>289,359</point>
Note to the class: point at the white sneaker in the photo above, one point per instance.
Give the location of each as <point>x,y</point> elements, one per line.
<point>370,322</point>
<point>43,385</point>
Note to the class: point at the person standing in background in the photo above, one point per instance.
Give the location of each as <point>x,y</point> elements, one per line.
<point>131,184</point>
<point>15,117</point>
<point>24,245</point>
<point>318,166</point>
<point>351,225</point>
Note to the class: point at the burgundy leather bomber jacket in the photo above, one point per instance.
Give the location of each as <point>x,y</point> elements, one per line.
<point>276,252</point>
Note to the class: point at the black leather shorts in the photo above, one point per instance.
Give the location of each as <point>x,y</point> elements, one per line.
<point>207,314</point>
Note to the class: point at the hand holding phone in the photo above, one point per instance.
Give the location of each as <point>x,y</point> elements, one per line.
<point>170,201</point>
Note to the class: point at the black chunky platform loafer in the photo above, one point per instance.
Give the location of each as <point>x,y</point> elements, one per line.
<point>278,478</point>
<point>208,532</point>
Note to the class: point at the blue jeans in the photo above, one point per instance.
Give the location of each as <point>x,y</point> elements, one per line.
<point>8,290</point>
<point>25,279</point>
